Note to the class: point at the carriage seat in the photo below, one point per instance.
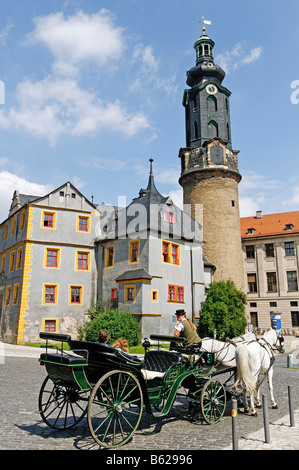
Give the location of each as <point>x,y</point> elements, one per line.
<point>94,349</point>
<point>65,359</point>
<point>161,360</point>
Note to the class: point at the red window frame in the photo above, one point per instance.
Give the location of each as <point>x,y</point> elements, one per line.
<point>169,217</point>
<point>110,256</point>
<point>50,325</point>
<point>52,258</point>
<point>48,220</point>
<point>114,293</point>
<point>176,294</point>
<point>82,261</point>
<point>130,294</point>
<point>171,293</point>
<point>83,224</point>
<point>174,250</point>
<point>135,247</point>
<point>50,294</point>
<point>75,295</point>
<point>165,252</point>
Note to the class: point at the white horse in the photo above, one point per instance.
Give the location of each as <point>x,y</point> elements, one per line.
<point>255,358</point>
<point>225,351</point>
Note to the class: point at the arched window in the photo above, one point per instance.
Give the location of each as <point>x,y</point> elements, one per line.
<point>227,132</point>
<point>212,103</point>
<point>212,129</point>
<point>195,130</point>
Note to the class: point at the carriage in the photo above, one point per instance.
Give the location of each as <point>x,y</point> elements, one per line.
<point>114,388</point>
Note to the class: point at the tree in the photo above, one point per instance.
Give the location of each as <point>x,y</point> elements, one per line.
<point>117,322</point>
<point>223,311</point>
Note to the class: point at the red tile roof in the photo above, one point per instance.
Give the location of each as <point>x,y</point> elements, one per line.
<point>270,224</point>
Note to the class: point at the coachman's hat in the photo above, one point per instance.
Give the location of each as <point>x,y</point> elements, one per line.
<point>181,311</point>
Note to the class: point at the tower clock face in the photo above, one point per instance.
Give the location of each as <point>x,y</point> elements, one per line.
<point>211,89</point>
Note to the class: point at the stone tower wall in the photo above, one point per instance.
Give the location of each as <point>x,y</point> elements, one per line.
<point>221,223</point>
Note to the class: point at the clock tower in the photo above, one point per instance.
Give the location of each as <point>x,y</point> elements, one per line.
<point>209,166</point>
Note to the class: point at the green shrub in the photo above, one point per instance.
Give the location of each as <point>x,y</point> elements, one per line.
<point>118,323</point>
<point>223,311</point>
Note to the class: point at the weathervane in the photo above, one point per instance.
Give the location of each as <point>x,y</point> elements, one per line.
<point>203,21</point>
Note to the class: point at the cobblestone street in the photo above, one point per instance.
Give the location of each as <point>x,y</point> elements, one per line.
<point>21,427</point>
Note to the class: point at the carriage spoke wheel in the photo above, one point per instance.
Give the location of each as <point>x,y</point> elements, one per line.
<point>61,407</point>
<point>115,408</point>
<point>213,401</point>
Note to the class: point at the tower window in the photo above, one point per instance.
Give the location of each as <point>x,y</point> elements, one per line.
<point>212,129</point>
<point>211,104</point>
<point>195,130</point>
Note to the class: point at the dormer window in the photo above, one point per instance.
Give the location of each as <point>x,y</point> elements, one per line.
<point>250,231</point>
<point>289,227</point>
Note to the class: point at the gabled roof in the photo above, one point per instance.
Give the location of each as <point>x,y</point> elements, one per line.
<point>284,223</point>
<point>147,212</point>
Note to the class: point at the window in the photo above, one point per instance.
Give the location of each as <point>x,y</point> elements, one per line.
<point>13,226</point>
<point>289,227</point>
<point>52,257</point>
<point>109,256</point>
<point>15,297</point>
<point>129,293</point>
<point>19,258</point>
<point>3,264</point>
<point>8,294</point>
<point>271,282</point>
<point>76,295</point>
<point>49,219</point>
<point>134,251</point>
<point>251,280</point>
<point>254,319</point>
<point>250,231</point>
<point>50,294</point>
<point>83,224</point>
<point>50,326</point>
<point>211,104</point>
<point>22,222</point>
<point>295,318</point>
<point>292,281</point>
<point>175,293</point>
<point>168,217</point>
<point>289,248</point>
<point>114,293</point>
<point>82,260</point>
<point>250,253</point>
<point>269,249</point>
<point>273,304</point>
<point>5,231</point>
<point>61,193</point>
<point>154,296</point>
<point>12,261</point>
<point>212,129</point>
<point>170,253</point>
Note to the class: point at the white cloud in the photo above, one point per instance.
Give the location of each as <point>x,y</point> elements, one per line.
<point>4,33</point>
<point>79,39</point>
<point>231,60</point>
<point>54,107</point>
<point>147,70</point>
<point>11,182</point>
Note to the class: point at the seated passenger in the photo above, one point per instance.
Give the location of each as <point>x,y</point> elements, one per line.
<point>121,343</point>
<point>103,336</point>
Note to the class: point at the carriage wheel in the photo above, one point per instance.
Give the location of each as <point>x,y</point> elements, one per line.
<point>115,408</point>
<point>213,401</point>
<point>61,407</point>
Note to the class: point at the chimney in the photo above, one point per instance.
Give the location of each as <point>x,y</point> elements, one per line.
<point>258,215</point>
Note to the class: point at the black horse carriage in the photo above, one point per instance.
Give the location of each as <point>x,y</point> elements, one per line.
<point>113,387</point>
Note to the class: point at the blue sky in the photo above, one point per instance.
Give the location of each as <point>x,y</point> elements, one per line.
<point>93,89</point>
